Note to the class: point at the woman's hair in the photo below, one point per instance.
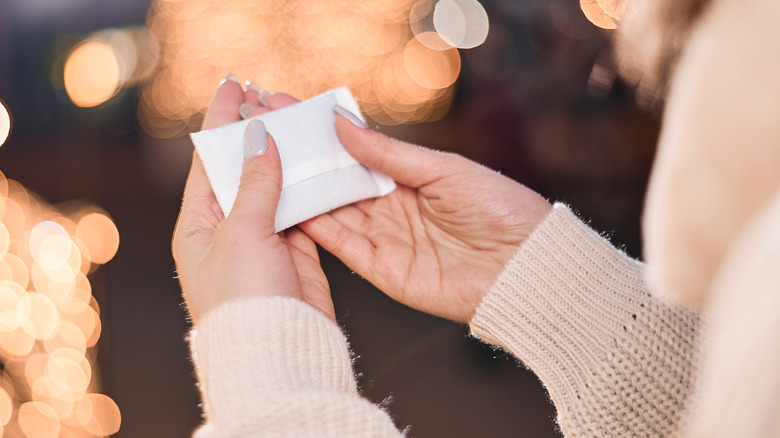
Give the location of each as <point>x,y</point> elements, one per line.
<point>650,40</point>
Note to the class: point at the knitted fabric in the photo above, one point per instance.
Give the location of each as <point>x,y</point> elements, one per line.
<point>615,360</point>
<point>276,367</point>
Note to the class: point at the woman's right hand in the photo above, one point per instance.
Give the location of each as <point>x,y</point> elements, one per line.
<point>438,241</point>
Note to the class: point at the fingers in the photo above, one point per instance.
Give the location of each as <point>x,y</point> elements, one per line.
<point>302,242</point>
<point>224,105</point>
<point>350,246</point>
<point>198,196</point>
<point>258,101</point>
<point>314,284</point>
<point>280,100</point>
<point>408,164</point>
<point>261,179</point>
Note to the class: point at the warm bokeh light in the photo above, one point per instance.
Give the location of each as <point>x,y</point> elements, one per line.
<point>14,307</point>
<point>613,8</point>
<point>302,48</point>
<point>18,270</point>
<point>43,316</point>
<point>421,24</point>
<point>49,320</point>
<point>98,232</point>
<point>91,74</point>
<point>38,420</point>
<point>105,419</point>
<point>433,69</point>
<point>69,335</point>
<point>595,14</point>
<point>6,407</point>
<point>99,65</point>
<point>5,240</point>
<point>5,123</point>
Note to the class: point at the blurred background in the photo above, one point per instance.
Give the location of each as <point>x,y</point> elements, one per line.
<point>97,101</point>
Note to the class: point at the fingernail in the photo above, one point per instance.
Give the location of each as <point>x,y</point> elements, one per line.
<point>263,96</point>
<point>229,77</point>
<point>343,112</point>
<point>255,139</point>
<point>245,110</point>
<point>249,85</point>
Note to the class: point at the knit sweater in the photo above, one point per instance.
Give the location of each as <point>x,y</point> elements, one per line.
<point>615,360</point>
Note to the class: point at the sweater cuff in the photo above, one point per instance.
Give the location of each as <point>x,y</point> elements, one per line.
<point>577,312</point>
<point>250,347</point>
<point>565,282</point>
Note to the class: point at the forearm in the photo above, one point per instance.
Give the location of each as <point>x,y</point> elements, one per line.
<point>576,311</point>
<point>277,367</point>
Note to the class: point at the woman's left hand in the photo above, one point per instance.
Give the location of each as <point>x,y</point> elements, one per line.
<point>220,259</point>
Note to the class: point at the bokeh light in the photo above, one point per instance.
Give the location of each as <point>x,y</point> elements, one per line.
<point>432,69</point>
<point>462,23</point>
<point>6,407</point>
<point>421,24</point>
<point>105,418</point>
<point>305,48</point>
<point>5,123</point>
<point>613,8</point>
<point>38,420</point>
<point>596,14</point>
<point>49,321</point>
<point>99,235</point>
<point>91,74</point>
<point>101,64</point>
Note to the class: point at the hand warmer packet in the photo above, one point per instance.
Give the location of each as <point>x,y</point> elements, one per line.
<point>319,175</point>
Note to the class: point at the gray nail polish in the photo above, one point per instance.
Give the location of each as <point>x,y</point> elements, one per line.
<point>245,110</point>
<point>343,112</point>
<point>255,139</point>
<point>262,97</point>
<point>249,85</point>
<point>229,77</point>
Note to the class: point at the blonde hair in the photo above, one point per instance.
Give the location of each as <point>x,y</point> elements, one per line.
<point>651,37</point>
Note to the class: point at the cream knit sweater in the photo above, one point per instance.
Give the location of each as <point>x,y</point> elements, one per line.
<point>616,361</point>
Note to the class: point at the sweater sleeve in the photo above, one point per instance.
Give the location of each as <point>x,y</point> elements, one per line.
<point>276,367</point>
<point>615,360</point>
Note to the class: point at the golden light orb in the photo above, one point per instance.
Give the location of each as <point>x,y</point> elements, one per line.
<point>38,420</point>
<point>92,73</point>
<point>431,68</point>
<point>596,15</point>
<point>100,235</point>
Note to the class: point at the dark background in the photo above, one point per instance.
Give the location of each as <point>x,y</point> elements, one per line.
<point>535,110</point>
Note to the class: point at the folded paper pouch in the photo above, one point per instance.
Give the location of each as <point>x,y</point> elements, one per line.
<point>318,174</point>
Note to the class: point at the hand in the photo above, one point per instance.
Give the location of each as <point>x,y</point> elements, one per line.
<point>219,259</point>
<point>441,238</point>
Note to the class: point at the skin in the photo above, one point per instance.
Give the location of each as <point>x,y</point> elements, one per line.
<point>436,243</point>
<point>220,259</point>
<point>439,240</point>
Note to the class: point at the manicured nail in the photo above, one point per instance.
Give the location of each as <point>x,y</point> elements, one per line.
<point>255,139</point>
<point>245,110</point>
<point>343,112</point>
<point>229,77</point>
<point>249,85</point>
<point>262,97</point>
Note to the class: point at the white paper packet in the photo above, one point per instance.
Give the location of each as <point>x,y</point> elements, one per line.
<point>319,175</point>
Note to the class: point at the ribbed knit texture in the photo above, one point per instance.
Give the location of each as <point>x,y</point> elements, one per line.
<point>276,367</point>
<point>616,361</point>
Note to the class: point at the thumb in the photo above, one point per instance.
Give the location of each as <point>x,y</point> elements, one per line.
<point>411,165</point>
<point>261,178</point>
